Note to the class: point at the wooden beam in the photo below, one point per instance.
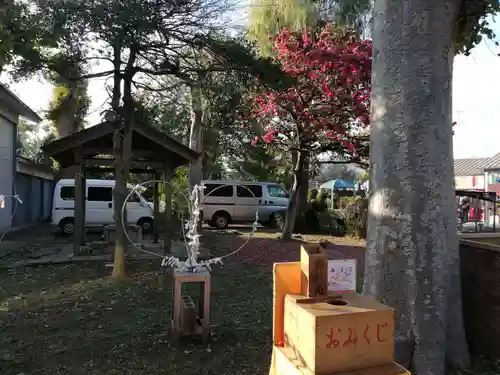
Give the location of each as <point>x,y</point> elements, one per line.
<point>167,178</point>
<point>90,162</point>
<point>156,206</point>
<point>83,203</point>
<point>79,216</point>
<point>111,169</point>
<point>79,138</point>
<point>88,151</point>
<point>167,142</point>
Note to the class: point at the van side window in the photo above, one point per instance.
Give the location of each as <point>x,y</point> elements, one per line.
<point>134,198</point>
<point>100,194</point>
<point>222,190</point>
<point>245,191</point>
<point>277,191</point>
<point>67,193</point>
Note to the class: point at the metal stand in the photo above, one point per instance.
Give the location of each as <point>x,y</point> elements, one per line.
<point>204,279</point>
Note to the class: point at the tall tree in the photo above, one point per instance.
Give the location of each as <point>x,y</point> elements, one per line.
<point>30,138</point>
<point>412,258</point>
<point>68,107</point>
<point>269,17</point>
<point>326,107</point>
<point>137,38</point>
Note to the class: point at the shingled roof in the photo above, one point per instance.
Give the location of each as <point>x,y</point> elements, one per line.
<point>493,162</point>
<point>471,167</point>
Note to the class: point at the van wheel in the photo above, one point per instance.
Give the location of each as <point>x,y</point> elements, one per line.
<point>146,223</point>
<point>220,220</point>
<point>67,226</point>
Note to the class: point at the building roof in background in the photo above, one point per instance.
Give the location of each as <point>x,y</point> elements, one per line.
<point>13,103</point>
<point>470,167</point>
<point>493,162</point>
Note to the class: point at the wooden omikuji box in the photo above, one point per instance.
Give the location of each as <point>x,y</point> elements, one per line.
<point>340,332</point>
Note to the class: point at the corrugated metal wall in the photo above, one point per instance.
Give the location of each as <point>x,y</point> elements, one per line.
<point>36,194</point>
<point>22,214</point>
<point>47,198</point>
<point>6,170</point>
<point>36,198</point>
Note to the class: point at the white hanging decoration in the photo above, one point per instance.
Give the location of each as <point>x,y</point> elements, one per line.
<point>190,233</point>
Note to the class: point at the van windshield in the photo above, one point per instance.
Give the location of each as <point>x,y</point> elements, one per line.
<point>276,191</point>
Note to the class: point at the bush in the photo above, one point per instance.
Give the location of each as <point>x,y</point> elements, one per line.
<point>329,222</point>
<point>319,203</point>
<point>311,194</point>
<point>355,212</point>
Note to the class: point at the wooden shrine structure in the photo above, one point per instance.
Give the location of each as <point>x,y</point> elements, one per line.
<point>94,149</point>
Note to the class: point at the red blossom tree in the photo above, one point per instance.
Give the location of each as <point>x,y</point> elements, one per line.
<point>327,109</point>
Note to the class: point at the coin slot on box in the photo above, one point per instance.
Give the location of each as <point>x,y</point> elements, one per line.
<point>336,302</point>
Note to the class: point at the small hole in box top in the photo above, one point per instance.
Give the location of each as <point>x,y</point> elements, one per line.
<point>336,302</point>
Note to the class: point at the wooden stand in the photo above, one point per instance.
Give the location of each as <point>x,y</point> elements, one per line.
<point>289,280</point>
<point>204,279</point>
<point>314,267</point>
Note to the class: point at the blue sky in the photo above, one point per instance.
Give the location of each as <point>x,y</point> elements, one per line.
<point>476,99</point>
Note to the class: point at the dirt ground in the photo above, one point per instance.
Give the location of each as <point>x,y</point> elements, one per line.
<point>71,319</point>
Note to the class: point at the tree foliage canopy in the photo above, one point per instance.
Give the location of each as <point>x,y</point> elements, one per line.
<point>269,17</point>
<point>329,106</point>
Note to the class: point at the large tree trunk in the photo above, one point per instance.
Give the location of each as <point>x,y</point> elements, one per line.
<point>302,205</point>
<point>65,121</point>
<point>196,143</point>
<point>293,202</point>
<point>120,179</point>
<point>196,137</point>
<point>412,244</point>
<point>65,124</point>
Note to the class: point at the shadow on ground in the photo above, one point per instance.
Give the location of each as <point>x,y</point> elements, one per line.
<point>70,319</point>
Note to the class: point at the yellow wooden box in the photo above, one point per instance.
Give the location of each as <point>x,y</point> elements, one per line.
<point>285,363</point>
<point>342,332</point>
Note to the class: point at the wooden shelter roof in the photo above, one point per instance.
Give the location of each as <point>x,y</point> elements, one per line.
<point>148,143</point>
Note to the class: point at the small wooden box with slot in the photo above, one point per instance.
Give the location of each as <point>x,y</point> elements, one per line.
<point>339,332</point>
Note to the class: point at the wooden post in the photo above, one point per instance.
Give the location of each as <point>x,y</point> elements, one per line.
<point>167,240</point>
<point>79,226</point>
<point>156,205</point>
<point>83,203</point>
<point>204,278</point>
<point>314,271</point>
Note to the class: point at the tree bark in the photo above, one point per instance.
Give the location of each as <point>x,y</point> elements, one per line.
<point>302,204</point>
<point>196,137</point>
<point>65,123</point>
<point>412,243</point>
<point>293,202</point>
<point>119,271</point>
<point>196,143</point>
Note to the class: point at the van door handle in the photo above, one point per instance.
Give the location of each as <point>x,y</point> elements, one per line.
<point>271,202</point>
<point>260,201</point>
<point>110,205</point>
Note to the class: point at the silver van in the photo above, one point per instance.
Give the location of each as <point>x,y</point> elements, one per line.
<point>235,202</point>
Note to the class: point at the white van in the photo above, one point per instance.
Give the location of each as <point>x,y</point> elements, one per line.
<point>225,202</point>
<point>99,206</point>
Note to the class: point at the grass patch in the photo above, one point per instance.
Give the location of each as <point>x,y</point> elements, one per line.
<point>84,324</point>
